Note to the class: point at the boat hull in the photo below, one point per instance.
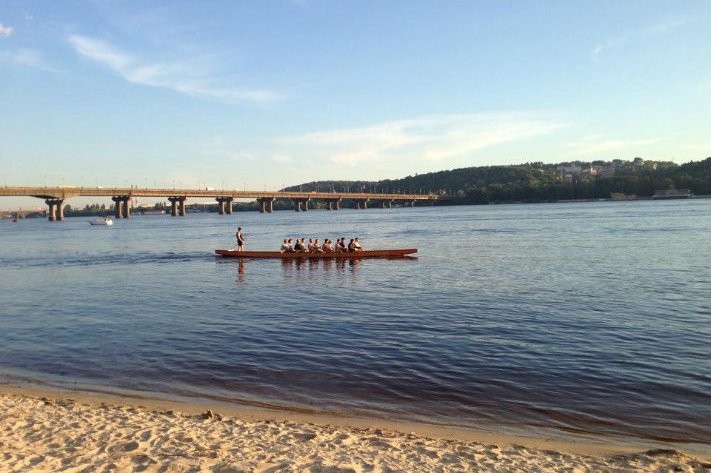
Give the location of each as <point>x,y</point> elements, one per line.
<point>398,253</point>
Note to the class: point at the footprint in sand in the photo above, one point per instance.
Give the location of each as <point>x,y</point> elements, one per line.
<point>124,447</point>
<point>304,436</point>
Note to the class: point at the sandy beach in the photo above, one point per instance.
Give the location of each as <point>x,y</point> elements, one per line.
<point>75,432</point>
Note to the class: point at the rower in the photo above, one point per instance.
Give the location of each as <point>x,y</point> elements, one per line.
<point>341,244</point>
<point>327,246</point>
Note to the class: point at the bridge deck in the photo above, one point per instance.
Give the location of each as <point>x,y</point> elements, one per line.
<point>63,192</point>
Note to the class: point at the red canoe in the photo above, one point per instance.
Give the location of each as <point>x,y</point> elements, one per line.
<point>348,255</point>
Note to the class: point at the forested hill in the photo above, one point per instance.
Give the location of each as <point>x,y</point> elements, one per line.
<point>538,182</point>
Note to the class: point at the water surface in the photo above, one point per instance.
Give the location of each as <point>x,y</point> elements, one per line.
<point>588,318</point>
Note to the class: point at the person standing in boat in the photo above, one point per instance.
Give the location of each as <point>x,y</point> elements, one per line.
<point>240,239</point>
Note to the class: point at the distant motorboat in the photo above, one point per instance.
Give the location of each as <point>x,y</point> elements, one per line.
<point>106,221</point>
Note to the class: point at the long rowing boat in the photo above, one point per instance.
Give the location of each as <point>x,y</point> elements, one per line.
<point>400,253</point>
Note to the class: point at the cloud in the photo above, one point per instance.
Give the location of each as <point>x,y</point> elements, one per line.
<point>187,76</point>
<point>100,52</point>
<point>282,159</point>
<point>430,139</point>
<point>598,144</point>
<point>5,31</point>
<point>25,58</point>
<point>219,149</point>
<point>635,36</point>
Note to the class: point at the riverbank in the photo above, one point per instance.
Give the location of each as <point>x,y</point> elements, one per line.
<point>53,431</point>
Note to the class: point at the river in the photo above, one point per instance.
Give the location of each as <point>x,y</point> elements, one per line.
<point>586,318</point>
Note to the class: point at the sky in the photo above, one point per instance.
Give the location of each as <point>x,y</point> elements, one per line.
<point>260,95</point>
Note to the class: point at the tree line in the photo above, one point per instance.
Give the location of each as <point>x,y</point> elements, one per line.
<point>539,182</point>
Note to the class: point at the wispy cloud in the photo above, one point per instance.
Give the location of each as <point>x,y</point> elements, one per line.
<point>100,51</point>
<point>5,31</point>
<point>599,144</point>
<point>25,58</point>
<point>424,139</point>
<point>637,35</point>
<point>218,149</point>
<point>181,76</point>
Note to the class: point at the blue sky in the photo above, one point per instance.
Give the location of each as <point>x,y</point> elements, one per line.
<point>264,94</point>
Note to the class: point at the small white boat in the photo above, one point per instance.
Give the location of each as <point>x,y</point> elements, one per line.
<point>101,221</point>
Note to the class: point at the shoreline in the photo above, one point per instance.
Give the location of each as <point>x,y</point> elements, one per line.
<point>141,432</point>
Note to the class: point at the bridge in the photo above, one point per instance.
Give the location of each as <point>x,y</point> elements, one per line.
<point>54,197</point>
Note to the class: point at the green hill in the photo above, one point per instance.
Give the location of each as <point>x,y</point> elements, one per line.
<point>539,182</point>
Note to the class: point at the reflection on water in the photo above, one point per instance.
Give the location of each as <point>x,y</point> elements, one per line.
<point>300,267</point>
<point>326,264</point>
<point>240,271</point>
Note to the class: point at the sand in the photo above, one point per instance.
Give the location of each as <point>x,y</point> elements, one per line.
<point>87,433</point>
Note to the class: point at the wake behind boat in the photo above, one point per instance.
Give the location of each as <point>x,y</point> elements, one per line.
<point>106,221</point>
<point>394,253</point>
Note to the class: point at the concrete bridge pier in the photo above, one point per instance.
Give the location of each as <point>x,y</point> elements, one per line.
<point>361,204</point>
<point>225,204</point>
<point>56,209</point>
<point>177,206</point>
<point>173,206</point>
<point>266,204</point>
<point>122,206</point>
<point>126,206</point>
<point>118,206</point>
<point>333,204</point>
<point>387,204</point>
<point>301,205</point>
<point>182,210</point>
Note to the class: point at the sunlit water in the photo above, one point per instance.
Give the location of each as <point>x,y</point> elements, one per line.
<point>591,318</point>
